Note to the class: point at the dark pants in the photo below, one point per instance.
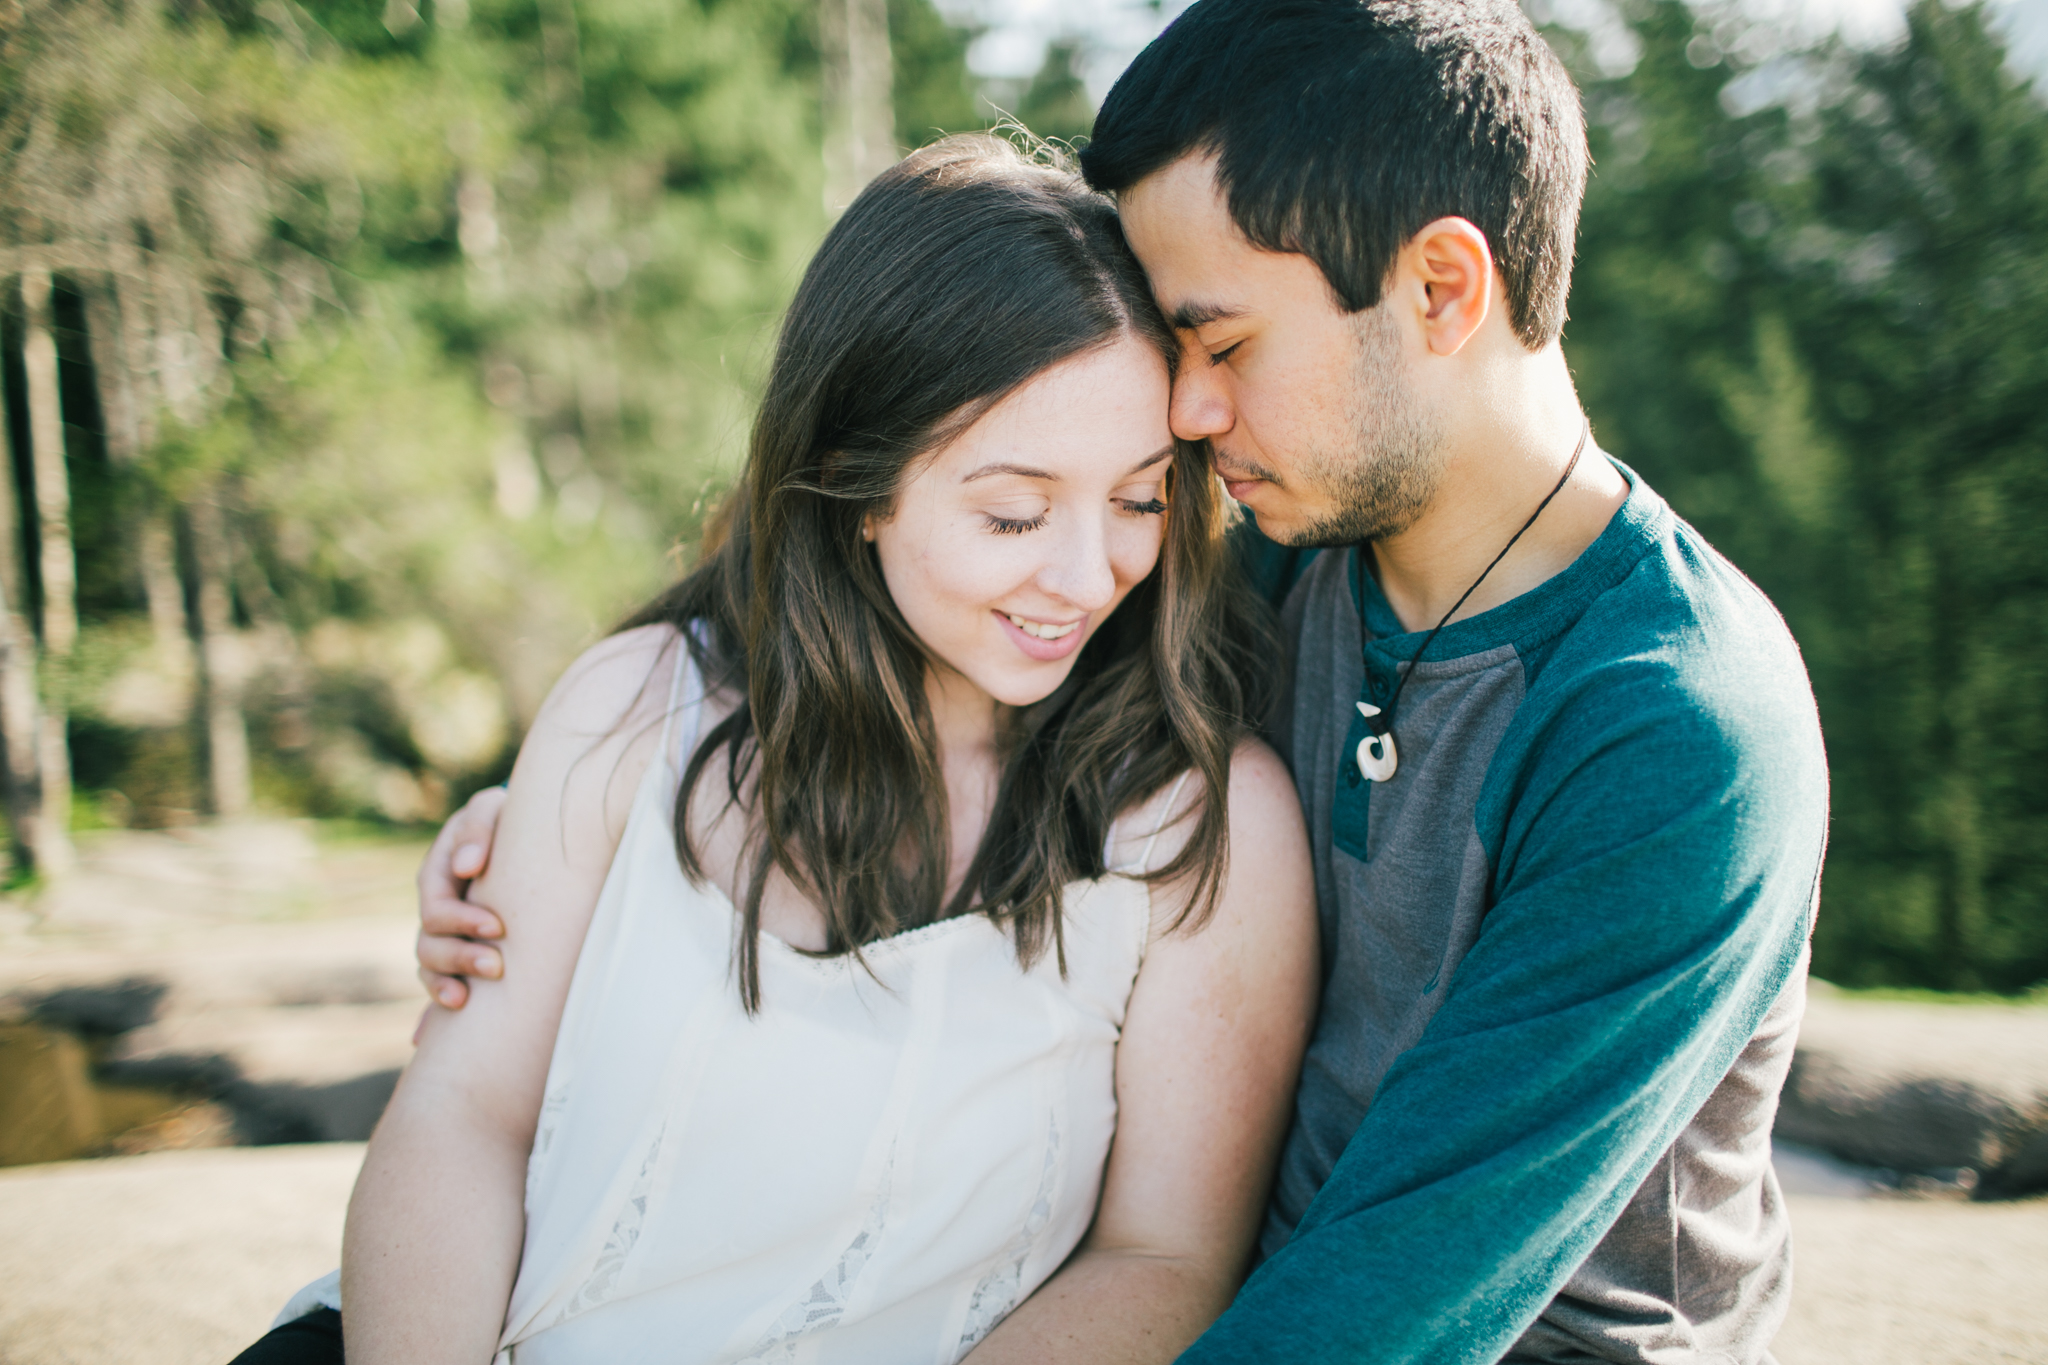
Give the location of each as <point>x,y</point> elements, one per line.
<point>314,1339</point>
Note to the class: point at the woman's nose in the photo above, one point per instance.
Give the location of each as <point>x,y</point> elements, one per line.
<point>1079,571</point>
<point>1201,408</point>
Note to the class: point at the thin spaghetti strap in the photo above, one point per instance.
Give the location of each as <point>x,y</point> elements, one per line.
<point>675,700</point>
<point>1165,818</point>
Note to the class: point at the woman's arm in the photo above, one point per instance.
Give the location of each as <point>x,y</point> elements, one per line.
<point>437,1218</point>
<point>1205,1077</point>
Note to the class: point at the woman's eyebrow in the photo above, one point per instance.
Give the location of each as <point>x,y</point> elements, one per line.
<point>1164,452</point>
<point>1020,470</point>
<point>1025,471</point>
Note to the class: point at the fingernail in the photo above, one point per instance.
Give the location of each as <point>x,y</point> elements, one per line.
<point>485,965</point>
<point>447,996</point>
<point>467,859</point>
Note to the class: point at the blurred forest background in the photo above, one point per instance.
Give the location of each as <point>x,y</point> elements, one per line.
<point>363,359</point>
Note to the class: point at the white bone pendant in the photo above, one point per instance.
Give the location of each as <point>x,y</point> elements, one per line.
<point>1377,760</point>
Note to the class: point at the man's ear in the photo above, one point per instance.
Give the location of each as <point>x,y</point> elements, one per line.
<point>1451,266</point>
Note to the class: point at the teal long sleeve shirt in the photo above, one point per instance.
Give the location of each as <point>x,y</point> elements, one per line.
<point>1564,958</point>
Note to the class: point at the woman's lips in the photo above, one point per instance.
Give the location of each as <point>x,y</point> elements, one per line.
<point>1043,650</point>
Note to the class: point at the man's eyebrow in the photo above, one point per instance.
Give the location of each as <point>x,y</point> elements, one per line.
<point>1189,316</point>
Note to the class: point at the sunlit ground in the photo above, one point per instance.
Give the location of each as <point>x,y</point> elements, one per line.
<point>185,988</point>
<point>192,991</point>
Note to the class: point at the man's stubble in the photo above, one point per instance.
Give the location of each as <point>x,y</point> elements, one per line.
<point>1392,460</point>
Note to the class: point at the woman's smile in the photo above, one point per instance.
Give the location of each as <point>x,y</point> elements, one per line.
<point>1042,641</point>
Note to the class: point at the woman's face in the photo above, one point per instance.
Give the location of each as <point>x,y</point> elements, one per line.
<point>1013,543</point>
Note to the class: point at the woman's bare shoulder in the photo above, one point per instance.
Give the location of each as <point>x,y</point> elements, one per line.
<point>619,678</point>
<point>1261,796</point>
<point>1263,801</point>
<point>565,809</point>
<point>592,739</point>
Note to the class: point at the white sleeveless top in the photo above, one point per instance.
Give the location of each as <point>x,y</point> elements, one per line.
<point>876,1167</point>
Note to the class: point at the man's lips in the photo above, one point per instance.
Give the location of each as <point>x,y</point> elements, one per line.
<point>1236,481</point>
<point>1239,486</point>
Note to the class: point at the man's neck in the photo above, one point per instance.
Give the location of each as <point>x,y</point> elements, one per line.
<point>1502,462</point>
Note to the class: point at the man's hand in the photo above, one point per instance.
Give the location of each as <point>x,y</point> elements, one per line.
<point>449,925</point>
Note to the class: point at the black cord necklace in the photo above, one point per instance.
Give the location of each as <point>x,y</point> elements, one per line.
<point>1377,759</point>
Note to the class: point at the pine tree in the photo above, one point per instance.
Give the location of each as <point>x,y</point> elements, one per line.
<point>1809,308</point>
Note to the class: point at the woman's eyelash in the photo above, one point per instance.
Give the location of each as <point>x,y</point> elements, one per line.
<point>1014,526</point>
<point>1219,357</point>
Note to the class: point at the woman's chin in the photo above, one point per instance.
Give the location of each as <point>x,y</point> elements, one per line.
<point>1025,686</point>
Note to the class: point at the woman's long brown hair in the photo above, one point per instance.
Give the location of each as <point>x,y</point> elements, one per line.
<point>954,278</point>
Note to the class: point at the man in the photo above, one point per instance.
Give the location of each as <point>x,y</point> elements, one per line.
<point>1560,762</point>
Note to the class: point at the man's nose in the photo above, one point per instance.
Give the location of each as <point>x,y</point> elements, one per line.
<point>1201,409</point>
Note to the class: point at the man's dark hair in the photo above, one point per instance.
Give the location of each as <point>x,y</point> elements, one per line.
<point>1342,127</point>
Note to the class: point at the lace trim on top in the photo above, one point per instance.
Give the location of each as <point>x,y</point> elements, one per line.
<point>997,1293</point>
<point>826,1302</point>
<point>618,1244</point>
<point>551,1111</point>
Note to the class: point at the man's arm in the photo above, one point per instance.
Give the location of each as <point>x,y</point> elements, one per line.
<point>1655,889</point>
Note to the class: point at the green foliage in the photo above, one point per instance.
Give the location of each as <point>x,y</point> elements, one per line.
<point>1055,105</point>
<point>460,317</point>
<point>455,307</point>
<point>1818,328</point>
<point>933,93</point>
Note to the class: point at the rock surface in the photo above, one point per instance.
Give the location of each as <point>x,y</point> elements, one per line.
<point>273,973</point>
<point>182,1258</point>
<point>1917,1282</point>
<point>1924,1086</point>
<point>253,967</point>
<point>174,1258</point>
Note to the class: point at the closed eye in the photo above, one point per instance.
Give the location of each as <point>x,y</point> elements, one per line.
<point>1219,357</point>
<point>1013,526</point>
<point>1150,507</point>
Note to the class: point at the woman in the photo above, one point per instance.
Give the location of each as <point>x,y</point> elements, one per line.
<point>867,882</point>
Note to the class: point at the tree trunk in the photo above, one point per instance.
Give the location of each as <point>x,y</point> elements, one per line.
<point>227,734</point>
<point>36,846</point>
<point>120,356</point>
<point>858,90</point>
<point>110,373</point>
<point>57,566</point>
<point>156,553</point>
<point>21,782</point>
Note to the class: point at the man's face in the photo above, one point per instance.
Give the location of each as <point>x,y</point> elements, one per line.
<point>1311,411</point>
